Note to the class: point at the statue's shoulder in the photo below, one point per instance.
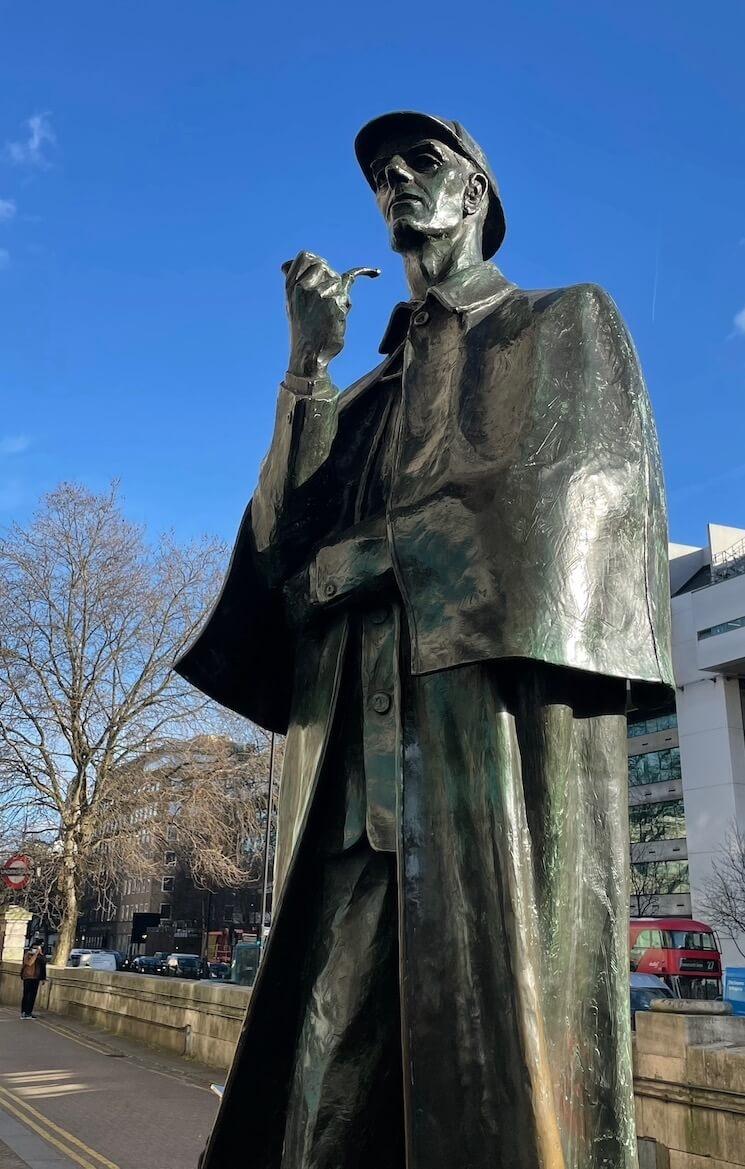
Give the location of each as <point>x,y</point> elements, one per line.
<point>571,299</point>
<point>577,320</point>
<point>574,310</point>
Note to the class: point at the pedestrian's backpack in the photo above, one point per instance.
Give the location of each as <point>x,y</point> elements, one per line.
<point>28,969</point>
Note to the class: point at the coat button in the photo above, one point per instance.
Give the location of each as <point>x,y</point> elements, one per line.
<point>381,702</point>
<point>421,317</point>
<point>379,616</point>
<point>329,589</point>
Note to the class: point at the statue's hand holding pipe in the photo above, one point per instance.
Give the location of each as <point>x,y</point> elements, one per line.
<point>318,305</point>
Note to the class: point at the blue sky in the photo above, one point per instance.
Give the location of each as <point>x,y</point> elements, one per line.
<point>159,161</point>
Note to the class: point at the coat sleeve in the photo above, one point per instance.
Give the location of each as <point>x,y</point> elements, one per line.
<point>292,484</point>
<point>243,656</point>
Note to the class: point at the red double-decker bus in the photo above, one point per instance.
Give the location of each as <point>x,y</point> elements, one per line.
<point>683,952</point>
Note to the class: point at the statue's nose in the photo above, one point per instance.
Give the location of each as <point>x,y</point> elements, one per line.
<point>397,171</point>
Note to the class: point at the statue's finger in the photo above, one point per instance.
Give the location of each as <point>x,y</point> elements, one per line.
<point>293,269</point>
<point>312,276</point>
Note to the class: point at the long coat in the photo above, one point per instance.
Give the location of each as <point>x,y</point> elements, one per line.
<point>525,524</point>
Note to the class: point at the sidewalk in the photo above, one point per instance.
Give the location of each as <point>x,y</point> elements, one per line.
<point>72,1097</point>
<point>40,1154</point>
<point>8,1159</point>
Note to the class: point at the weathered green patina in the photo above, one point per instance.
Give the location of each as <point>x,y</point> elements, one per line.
<point>446,583</point>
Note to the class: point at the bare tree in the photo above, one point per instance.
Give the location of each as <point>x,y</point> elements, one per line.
<point>41,897</point>
<point>724,892</point>
<point>91,619</point>
<point>203,798</point>
<point>216,816</point>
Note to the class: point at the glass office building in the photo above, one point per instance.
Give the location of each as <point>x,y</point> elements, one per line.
<point>657,825</point>
<point>687,761</point>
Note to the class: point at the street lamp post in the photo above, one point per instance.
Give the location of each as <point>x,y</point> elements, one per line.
<point>206,930</point>
<point>267,842</point>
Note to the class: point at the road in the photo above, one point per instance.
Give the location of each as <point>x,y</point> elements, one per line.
<point>75,1098</point>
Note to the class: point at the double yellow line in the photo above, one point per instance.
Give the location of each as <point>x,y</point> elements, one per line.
<point>73,1148</point>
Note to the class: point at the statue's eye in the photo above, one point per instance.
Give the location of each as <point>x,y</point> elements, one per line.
<point>426,160</point>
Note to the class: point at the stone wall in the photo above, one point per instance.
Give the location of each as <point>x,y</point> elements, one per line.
<point>690,1088</point>
<point>689,1068</point>
<point>199,1020</point>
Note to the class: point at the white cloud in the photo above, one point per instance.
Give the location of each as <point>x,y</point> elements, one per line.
<point>14,444</point>
<point>7,210</point>
<point>739,322</point>
<point>4,258</point>
<point>30,152</point>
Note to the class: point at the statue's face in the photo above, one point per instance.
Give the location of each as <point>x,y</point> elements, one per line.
<point>420,187</point>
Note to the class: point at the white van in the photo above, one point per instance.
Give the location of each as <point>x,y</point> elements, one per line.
<point>93,959</point>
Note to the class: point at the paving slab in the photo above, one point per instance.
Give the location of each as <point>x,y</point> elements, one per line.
<point>9,1160</point>
<point>73,1097</point>
<point>21,1148</point>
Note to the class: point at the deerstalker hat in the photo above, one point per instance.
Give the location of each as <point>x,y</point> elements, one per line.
<point>371,137</point>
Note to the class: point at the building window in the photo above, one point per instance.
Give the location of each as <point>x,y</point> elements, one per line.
<point>650,822</point>
<point>725,627</point>
<point>170,858</point>
<point>662,877</point>
<point>651,726</point>
<point>166,884</point>
<point>654,767</point>
<point>165,910</point>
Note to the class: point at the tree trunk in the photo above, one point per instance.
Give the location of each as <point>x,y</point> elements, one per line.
<point>69,923</point>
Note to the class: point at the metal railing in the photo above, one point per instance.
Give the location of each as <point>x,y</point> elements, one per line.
<point>730,562</point>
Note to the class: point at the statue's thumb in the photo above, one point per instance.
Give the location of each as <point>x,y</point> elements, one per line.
<point>348,278</point>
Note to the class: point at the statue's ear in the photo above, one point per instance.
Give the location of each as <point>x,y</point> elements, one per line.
<point>476,192</point>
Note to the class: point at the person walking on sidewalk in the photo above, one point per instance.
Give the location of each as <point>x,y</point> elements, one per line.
<point>33,971</point>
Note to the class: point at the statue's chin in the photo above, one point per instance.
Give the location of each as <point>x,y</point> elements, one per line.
<point>406,236</point>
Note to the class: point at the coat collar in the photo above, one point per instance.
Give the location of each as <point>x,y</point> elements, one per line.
<point>465,292</point>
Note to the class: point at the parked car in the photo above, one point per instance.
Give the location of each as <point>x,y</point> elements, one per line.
<point>161,957</point>
<point>93,959</point>
<point>145,964</point>
<point>184,966</point>
<point>219,971</point>
<point>644,989</point>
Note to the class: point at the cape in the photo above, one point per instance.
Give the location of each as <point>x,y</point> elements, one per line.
<point>527,511</point>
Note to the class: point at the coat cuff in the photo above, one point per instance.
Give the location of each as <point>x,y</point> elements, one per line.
<point>304,387</point>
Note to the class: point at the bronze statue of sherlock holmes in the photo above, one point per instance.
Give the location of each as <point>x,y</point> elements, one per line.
<point>448,581</point>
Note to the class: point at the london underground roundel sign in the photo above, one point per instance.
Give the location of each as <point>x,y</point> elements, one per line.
<point>15,872</point>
